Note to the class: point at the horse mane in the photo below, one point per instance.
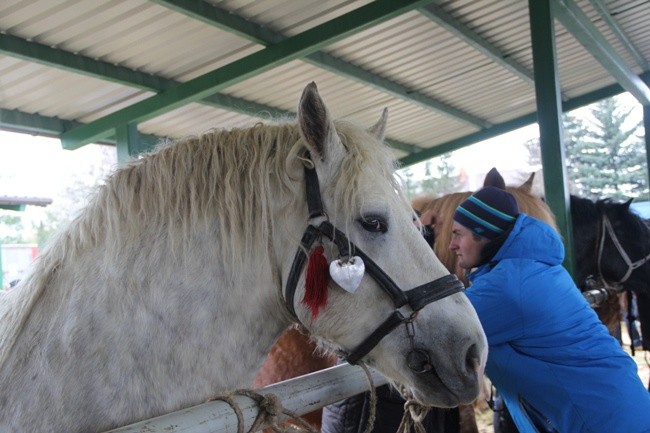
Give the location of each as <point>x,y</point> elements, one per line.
<point>586,211</point>
<point>235,184</point>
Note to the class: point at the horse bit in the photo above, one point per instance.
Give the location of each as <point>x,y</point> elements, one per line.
<point>418,359</point>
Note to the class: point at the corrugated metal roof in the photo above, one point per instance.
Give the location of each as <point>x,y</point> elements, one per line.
<point>447,70</point>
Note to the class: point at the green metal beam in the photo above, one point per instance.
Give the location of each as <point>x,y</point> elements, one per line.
<point>27,123</point>
<point>48,56</point>
<point>607,17</point>
<point>221,18</point>
<point>549,117</point>
<point>340,67</point>
<point>575,21</point>
<point>14,207</point>
<point>126,137</point>
<point>45,55</point>
<point>467,140</point>
<point>53,57</point>
<point>445,20</point>
<point>646,127</point>
<point>242,69</point>
<point>402,146</point>
<point>225,20</point>
<point>511,125</point>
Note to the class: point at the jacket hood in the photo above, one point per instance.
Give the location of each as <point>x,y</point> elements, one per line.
<point>532,239</point>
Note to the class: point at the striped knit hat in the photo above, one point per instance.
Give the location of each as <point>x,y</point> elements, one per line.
<point>488,213</point>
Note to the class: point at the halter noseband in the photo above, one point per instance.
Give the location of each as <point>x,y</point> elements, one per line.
<point>416,298</point>
<point>607,229</point>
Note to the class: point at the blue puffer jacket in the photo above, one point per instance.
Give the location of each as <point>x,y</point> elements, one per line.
<point>548,351</point>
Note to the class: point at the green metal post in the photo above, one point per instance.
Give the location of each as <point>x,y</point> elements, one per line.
<point>549,118</point>
<point>646,127</point>
<point>126,142</point>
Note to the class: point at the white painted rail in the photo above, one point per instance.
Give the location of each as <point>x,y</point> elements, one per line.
<point>301,395</point>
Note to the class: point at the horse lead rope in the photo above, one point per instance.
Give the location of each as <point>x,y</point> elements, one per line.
<point>270,408</point>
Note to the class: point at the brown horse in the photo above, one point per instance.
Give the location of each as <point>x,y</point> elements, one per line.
<point>293,355</point>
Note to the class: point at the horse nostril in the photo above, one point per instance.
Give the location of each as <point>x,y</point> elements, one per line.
<point>472,358</point>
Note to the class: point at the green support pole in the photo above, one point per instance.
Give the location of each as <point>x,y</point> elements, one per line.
<point>126,142</point>
<point>549,118</point>
<point>646,127</point>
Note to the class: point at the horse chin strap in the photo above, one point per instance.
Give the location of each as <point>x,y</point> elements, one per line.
<point>417,359</point>
<point>607,229</point>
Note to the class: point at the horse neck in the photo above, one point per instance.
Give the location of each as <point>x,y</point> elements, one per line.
<point>160,327</point>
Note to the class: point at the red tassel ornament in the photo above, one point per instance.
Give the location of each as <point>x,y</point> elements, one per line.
<point>316,281</point>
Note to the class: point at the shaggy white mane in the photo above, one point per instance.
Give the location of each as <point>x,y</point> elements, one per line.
<point>228,180</point>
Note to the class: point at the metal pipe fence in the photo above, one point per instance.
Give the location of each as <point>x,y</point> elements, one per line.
<point>301,395</point>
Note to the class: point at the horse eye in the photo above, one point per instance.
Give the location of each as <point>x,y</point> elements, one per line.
<point>373,224</point>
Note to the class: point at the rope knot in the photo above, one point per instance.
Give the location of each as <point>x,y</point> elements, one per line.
<point>414,414</point>
<point>271,405</point>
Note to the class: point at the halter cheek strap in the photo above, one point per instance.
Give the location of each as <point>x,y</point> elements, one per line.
<point>416,298</point>
<point>607,229</point>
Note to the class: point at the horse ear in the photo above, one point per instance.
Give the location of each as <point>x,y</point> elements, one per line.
<point>494,178</point>
<point>315,122</point>
<point>528,185</point>
<point>378,130</point>
<point>627,204</point>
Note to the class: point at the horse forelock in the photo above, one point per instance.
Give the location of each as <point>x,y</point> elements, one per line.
<point>351,185</point>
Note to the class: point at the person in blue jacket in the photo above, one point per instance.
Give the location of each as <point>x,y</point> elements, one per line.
<point>554,363</point>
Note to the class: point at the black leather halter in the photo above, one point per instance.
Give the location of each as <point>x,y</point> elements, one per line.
<point>416,298</point>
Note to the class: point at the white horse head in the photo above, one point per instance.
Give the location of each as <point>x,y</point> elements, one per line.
<point>360,197</point>
<point>169,287</point>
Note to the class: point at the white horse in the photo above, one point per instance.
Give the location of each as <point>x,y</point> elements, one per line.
<point>168,288</point>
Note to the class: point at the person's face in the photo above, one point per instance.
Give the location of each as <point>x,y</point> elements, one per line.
<point>466,245</point>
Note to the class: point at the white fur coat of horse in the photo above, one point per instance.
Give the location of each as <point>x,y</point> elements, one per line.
<point>167,288</point>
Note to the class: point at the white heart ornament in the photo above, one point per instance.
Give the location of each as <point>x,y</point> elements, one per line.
<point>348,274</point>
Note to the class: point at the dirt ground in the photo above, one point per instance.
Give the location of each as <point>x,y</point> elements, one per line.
<point>484,414</point>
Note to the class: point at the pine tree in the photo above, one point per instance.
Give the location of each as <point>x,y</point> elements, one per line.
<point>409,185</point>
<point>447,179</point>
<point>444,181</point>
<point>604,157</point>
